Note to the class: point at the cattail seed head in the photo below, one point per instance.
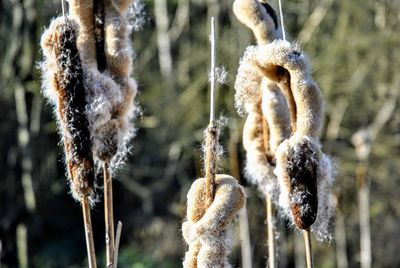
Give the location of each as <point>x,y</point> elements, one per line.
<point>118,51</point>
<point>111,92</point>
<point>247,83</point>
<point>259,17</point>
<point>304,172</point>
<point>212,151</point>
<point>258,169</point>
<point>276,111</point>
<point>208,231</point>
<point>81,12</point>
<point>62,62</point>
<point>298,171</point>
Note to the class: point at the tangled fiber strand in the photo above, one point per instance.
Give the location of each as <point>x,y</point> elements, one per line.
<point>209,231</point>
<point>63,77</point>
<point>111,93</point>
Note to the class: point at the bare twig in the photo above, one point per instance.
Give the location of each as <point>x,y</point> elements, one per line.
<point>271,233</point>
<point>213,41</point>
<point>88,233</point>
<point>245,245</point>
<point>307,244</point>
<point>211,140</point>
<point>117,239</point>
<point>108,215</point>
<point>268,201</point>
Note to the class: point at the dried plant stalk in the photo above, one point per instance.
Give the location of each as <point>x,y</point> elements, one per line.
<point>307,243</point>
<point>63,82</point>
<point>89,233</point>
<point>109,216</point>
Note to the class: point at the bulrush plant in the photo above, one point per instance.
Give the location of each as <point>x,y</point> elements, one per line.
<point>64,86</point>
<point>99,68</point>
<point>213,202</point>
<point>268,120</point>
<point>304,173</point>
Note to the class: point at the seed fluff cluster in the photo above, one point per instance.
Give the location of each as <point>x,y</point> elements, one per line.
<point>106,97</point>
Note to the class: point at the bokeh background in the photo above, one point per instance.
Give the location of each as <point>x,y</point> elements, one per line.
<point>354,49</point>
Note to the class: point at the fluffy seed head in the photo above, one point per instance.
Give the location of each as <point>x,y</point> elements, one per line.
<point>208,231</point>
<point>63,66</point>
<point>259,17</point>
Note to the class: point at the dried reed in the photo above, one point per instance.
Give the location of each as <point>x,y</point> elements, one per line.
<point>64,76</point>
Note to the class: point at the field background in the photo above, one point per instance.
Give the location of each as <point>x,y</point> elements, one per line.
<point>354,49</point>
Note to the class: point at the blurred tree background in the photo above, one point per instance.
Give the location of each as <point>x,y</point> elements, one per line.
<point>354,49</point>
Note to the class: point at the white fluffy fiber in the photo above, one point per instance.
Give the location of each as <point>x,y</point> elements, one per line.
<point>324,224</point>
<point>258,170</point>
<point>110,131</point>
<point>247,83</point>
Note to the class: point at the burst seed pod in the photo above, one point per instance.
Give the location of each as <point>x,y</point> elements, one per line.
<point>208,232</point>
<point>111,91</point>
<point>62,62</point>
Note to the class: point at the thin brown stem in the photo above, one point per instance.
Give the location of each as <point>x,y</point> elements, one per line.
<point>117,239</point>
<point>108,215</point>
<point>88,233</point>
<point>271,233</point>
<point>269,206</point>
<point>307,244</point>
